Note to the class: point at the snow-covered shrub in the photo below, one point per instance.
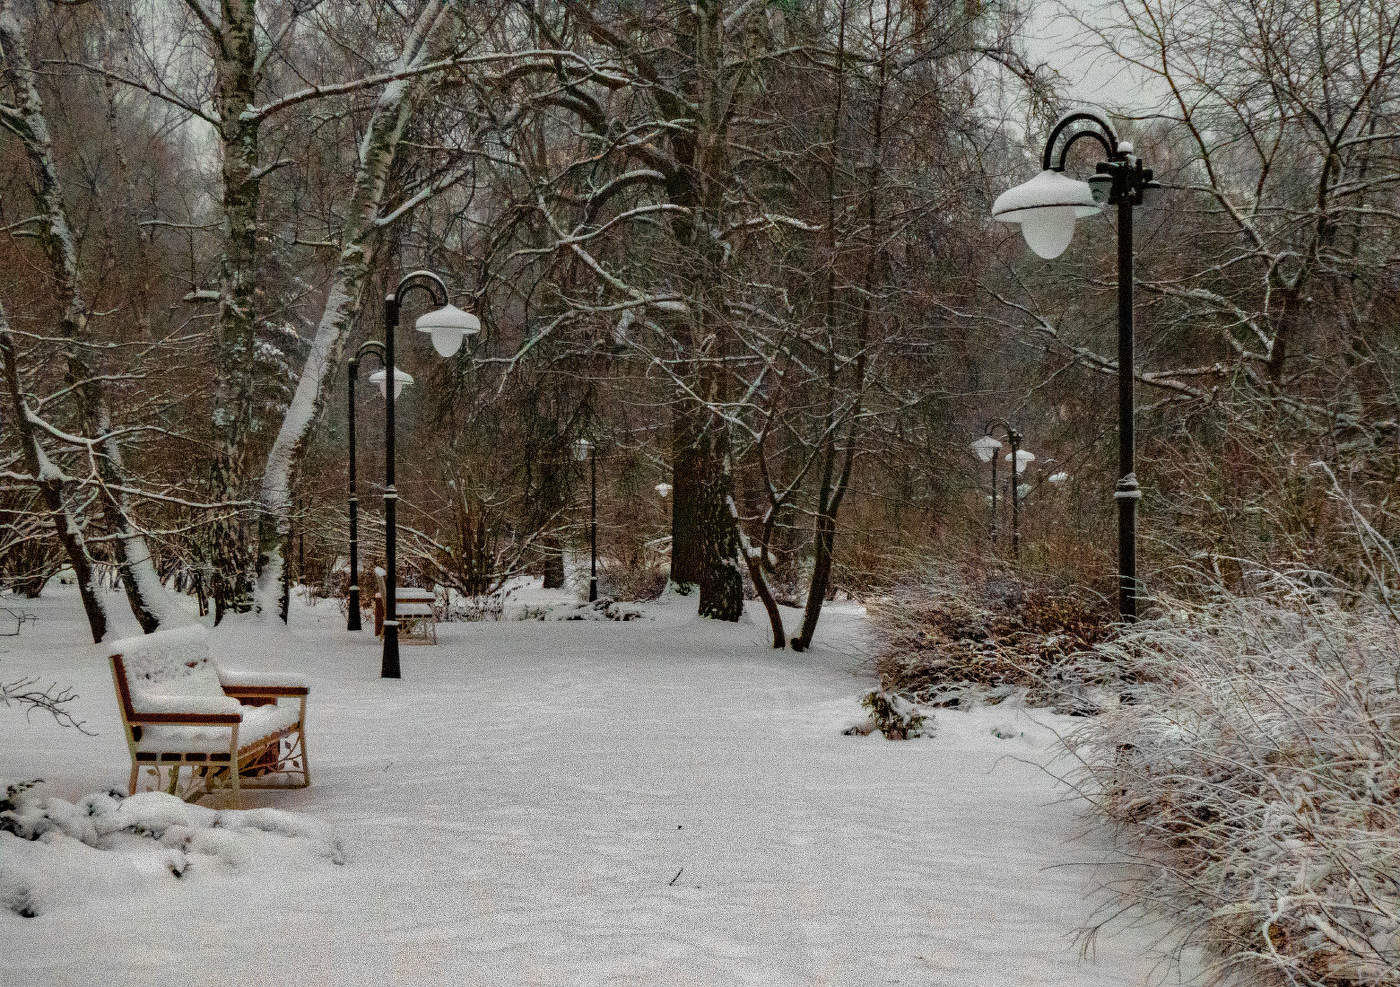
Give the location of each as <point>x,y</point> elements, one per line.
<point>993,629</point>
<point>153,837</point>
<point>893,715</point>
<point>1257,772</point>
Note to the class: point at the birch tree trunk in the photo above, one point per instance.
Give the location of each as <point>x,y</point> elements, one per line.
<point>376,156</point>
<point>50,482</point>
<point>144,591</point>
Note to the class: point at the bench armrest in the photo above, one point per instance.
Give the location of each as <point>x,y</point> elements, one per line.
<point>240,683</point>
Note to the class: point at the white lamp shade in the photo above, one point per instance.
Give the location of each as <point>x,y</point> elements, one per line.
<point>1058,478</point>
<point>1046,207</point>
<point>582,447</point>
<point>986,447</point>
<point>1022,458</point>
<point>401,379</point>
<point>448,326</point>
<point>663,490</point>
<point>1021,490</point>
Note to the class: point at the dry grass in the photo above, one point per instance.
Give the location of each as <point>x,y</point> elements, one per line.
<point>970,627</point>
<point>1258,779</point>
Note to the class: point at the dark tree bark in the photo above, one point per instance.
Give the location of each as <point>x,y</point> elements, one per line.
<point>687,548</point>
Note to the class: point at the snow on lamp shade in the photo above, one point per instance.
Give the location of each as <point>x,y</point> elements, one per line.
<point>1022,489</point>
<point>582,447</point>
<point>1022,458</point>
<point>1058,478</point>
<point>1046,208</point>
<point>986,447</point>
<point>448,326</point>
<point>401,379</point>
<point>663,490</point>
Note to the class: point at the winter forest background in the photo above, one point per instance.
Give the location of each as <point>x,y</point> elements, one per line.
<point>743,247</point>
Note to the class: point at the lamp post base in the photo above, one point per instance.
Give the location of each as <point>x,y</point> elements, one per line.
<point>389,667</point>
<point>352,619</point>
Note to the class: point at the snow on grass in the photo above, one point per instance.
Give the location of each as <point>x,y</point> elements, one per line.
<point>662,800</point>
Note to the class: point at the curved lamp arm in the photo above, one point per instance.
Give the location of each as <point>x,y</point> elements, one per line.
<point>1108,139</point>
<point>1013,434</point>
<point>367,347</point>
<point>425,280</point>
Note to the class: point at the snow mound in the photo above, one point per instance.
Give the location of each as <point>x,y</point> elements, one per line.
<point>55,854</point>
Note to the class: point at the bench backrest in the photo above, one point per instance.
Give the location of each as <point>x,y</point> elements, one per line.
<point>170,662</point>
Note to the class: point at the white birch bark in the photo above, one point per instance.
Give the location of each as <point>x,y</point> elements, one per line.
<point>376,156</point>
<point>147,596</point>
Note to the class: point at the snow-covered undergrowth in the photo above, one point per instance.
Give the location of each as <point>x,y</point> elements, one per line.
<point>54,853</point>
<point>960,634</point>
<point>1258,776</point>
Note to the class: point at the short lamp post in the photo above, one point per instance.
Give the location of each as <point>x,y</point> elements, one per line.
<point>373,348</point>
<point>448,326</point>
<point>986,449</point>
<point>585,450</point>
<point>1046,208</point>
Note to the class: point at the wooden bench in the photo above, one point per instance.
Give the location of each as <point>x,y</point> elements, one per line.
<point>233,730</point>
<point>415,609</point>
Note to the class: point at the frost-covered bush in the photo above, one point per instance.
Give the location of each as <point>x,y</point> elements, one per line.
<point>994,629</point>
<point>1257,771</point>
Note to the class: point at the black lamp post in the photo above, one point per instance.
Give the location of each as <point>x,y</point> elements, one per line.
<point>986,449</point>
<point>376,348</point>
<point>1046,207</point>
<point>583,449</point>
<point>448,325</point>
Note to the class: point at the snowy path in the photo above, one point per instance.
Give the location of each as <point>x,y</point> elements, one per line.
<point>517,808</point>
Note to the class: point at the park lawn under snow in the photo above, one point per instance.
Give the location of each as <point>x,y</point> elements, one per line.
<point>661,801</point>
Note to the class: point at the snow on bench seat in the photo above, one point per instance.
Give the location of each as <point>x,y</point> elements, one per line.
<point>234,729</point>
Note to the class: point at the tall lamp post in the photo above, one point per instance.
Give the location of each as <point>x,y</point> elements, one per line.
<point>448,326</point>
<point>585,450</point>
<point>375,348</point>
<point>1046,208</point>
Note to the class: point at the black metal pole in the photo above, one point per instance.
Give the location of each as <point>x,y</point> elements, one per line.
<point>352,619</point>
<point>1127,492</point>
<point>1013,437</point>
<point>389,666</point>
<point>994,497</point>
<point>593,526</point>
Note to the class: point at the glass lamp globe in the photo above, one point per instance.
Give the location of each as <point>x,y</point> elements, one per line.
<point>1022,458</point>
<point>1046,208</point>
<point>448,326</point>
<point>663,490</point>
<point>1058,478</point>
<point>986,447</point>
<point>582,447</point>
<point>401,379</point>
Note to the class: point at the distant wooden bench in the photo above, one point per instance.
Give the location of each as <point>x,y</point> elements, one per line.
<point>233,730</point>
<point>415,609</point>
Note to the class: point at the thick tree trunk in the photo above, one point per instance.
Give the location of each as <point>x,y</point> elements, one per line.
<point>552,565</point>
<point>687,548</point>
<point>721,580</point>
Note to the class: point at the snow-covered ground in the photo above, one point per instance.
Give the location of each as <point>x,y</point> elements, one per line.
<point>660,801</point>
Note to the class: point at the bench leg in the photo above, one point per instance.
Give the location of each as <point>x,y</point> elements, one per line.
<point>131,783</point>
